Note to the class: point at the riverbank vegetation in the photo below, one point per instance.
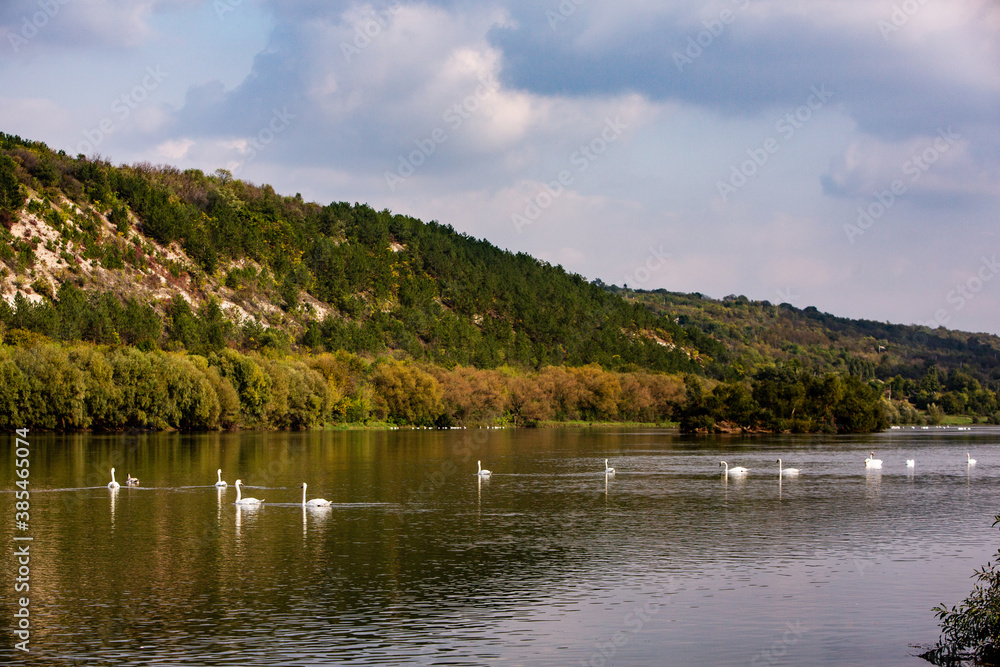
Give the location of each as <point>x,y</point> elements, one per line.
<point>971,629</point>
<point>47,385</point>
<point>786,399</point>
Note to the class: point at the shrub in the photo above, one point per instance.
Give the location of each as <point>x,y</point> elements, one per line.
<point>14,391</point>
<point>102,394</point>
<point>299,395</point>
<point>971,630</point>
<point>43,287</point>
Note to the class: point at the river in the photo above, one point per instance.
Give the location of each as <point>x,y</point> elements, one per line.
<point>548,562</point>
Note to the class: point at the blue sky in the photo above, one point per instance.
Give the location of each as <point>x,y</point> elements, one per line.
<point>843,154</point>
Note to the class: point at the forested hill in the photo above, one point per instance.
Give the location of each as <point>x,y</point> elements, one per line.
<point>157,257</point>
<point>262,269</point>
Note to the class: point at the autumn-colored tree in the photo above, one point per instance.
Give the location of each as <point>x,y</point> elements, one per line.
<point>471,396</point>
<point>404,393</point>
<point>599,392</point>
<point>527,401</point>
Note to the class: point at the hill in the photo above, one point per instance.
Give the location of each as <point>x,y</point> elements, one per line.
<point>160,259</point>
<point>338,276</point>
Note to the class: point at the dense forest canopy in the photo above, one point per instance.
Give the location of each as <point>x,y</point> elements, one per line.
<point>167,261</point>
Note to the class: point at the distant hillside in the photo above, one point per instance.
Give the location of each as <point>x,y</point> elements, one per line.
<point>955,371</point>
<point>758,331</point>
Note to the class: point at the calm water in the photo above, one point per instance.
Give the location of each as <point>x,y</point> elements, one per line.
<point>547,563</point>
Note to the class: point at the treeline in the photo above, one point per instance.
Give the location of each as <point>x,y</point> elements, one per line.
<point>47,385</point>
<point>781,398</point>
<point>954,393</point>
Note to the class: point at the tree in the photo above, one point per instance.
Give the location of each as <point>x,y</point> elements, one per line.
<point>860,410</point>
<point>405,393</point>
<point>11,196</point>
<point>252,384</point>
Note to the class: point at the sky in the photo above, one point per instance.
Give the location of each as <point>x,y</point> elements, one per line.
<point>842,154</point>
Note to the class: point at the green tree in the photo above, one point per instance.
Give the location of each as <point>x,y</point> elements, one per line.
<point>182,325</point>
<point>252,384</point>
<point>11,195</point>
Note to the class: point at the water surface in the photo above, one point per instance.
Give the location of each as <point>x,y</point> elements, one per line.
<point>549,562</point>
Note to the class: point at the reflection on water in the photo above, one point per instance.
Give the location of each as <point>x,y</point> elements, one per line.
<point>667,561</point>
<point>113,492</point>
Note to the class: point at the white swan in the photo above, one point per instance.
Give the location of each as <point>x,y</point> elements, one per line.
<point>315,502</point>
<point>872,462</point>
<point>972,461</point>
<point>608,470</point>
<point>482,471</point>
<point>113,484</point>
<point>910,463</point>
<point>131,481</point>
<point>736,470</point>
<point>220,483</point>
<point>240,500</point>
<point>786,471</point>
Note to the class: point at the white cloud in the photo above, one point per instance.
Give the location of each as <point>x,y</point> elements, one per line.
<point>175,150</point>
<point>938,164</point>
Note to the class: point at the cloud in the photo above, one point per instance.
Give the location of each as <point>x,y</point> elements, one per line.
<point>469,112</point>
<point>932,168</point>
<point>80,24</point>
<point>363,99</point>
<point>746,57</point>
